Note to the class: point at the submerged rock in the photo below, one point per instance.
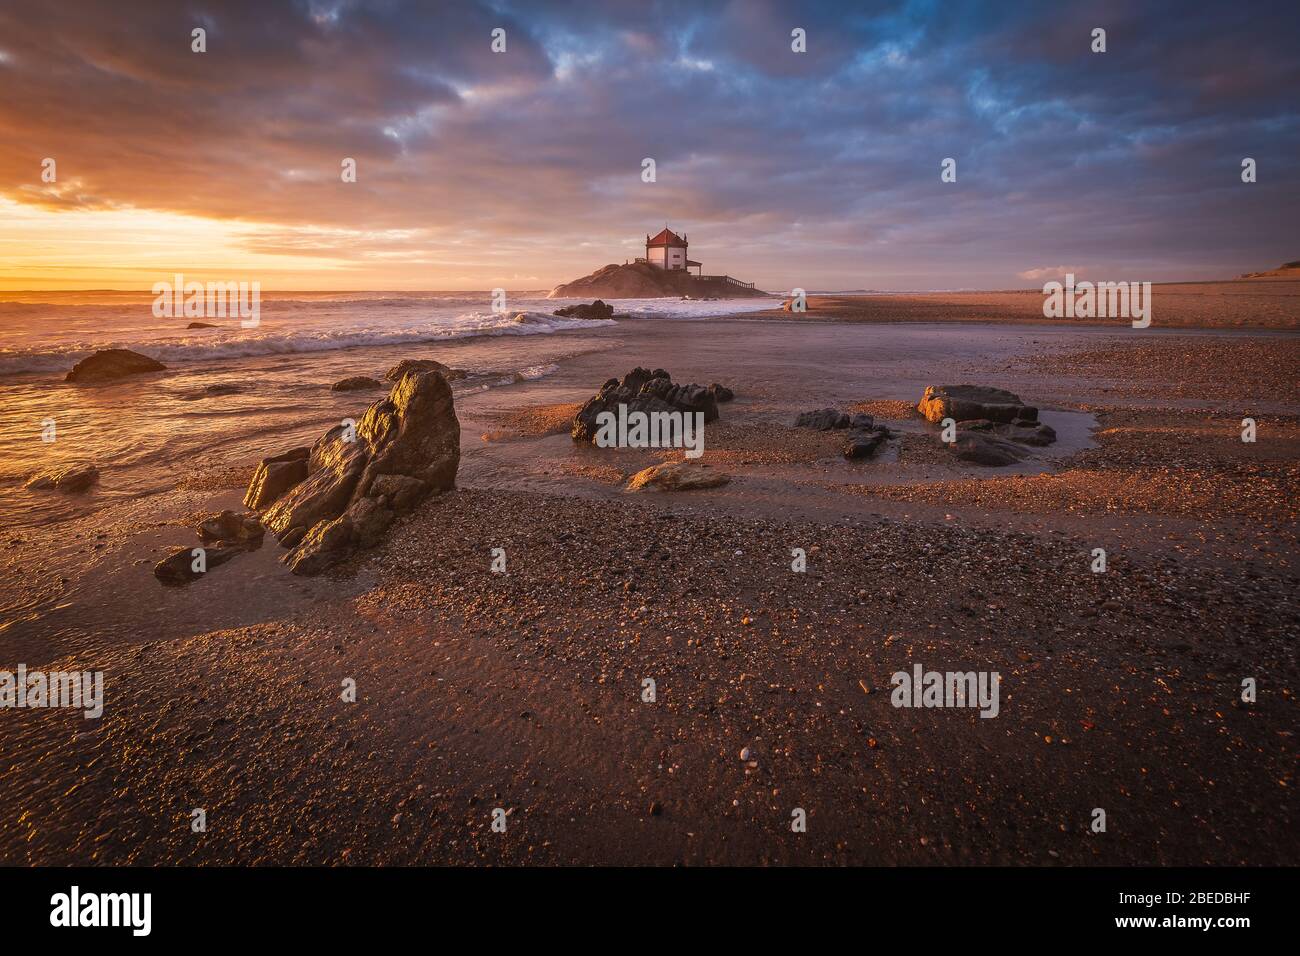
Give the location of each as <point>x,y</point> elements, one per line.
<point>597,310</point>
<point>108,364</point>
<point>677,476</point>
<point>1035,433</point>
<point>72,479</point>
<point>179,566</point>
<point>356,383</point>
<point>982,449</point>
<point>231,528</point>
<point>405,447</point>
<point>642,390</point>
<point>202,325</point>
<point>968,402</point>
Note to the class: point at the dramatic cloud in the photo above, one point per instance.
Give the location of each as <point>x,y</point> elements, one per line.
<point>818,169</point>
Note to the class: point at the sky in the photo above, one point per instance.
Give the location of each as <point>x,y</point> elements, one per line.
<point>523,169</point>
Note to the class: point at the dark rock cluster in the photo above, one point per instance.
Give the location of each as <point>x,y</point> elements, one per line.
<point>864,437</point>
<point>642,390</point>
<point>993,425</point>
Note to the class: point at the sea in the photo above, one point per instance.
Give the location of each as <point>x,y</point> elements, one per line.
<point>231,394</point>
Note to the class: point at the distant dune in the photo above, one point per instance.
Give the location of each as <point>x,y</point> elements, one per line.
<point>1288,270</point>
<point>639,280</point>
<point>1237,303</point>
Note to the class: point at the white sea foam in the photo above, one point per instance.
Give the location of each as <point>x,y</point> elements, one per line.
<point>51,332</point>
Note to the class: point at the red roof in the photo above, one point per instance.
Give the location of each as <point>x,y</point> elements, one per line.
<point>667,238</point>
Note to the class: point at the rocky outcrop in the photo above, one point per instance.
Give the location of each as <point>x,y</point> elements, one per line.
<point>969,402</point>
<point>642,390</point>
<point>275,476</point>
<point>356,383</point>
<point>71,479</point>
<point>109,364</point>
<point>677,476</point>
<point>395,373</point>
<point>405,447</point>
<point>721,393</point>
<point>640,280</point>
<point>202,325</point>
<point>597,310</point>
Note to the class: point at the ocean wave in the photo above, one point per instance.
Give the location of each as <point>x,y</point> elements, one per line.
<point>270,339</point>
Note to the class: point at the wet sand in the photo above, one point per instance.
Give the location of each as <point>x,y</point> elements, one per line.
<point>523,690</point>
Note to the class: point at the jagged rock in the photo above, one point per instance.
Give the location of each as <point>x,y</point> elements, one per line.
<point>275,476</point>
<point>642,390</point>
<point>395,373</point>
<point>178,567</point>
<point>983,449</point>
<point>597,310</point>
<point>677,476</point>
<point>967,402</point>
<point>231,528</point>
<point>721,393</point>
<point>356,383</point>
<point>333,470</point>
<point>108,364</point>
<point>405,447</point>
<point>71,479</point>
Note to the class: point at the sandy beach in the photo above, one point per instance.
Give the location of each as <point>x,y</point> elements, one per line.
<point>523,690</point>
<point>1266,303</point>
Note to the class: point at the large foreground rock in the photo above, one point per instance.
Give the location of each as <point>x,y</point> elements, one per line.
<point>969,402</point>
<point>405,447</point>
<point>275,476</point>
<point>108,364</point>
<point>395,373</point>
<point>642,390</point>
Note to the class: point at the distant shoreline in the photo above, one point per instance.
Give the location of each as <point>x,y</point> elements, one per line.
<point>1237,304</point>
